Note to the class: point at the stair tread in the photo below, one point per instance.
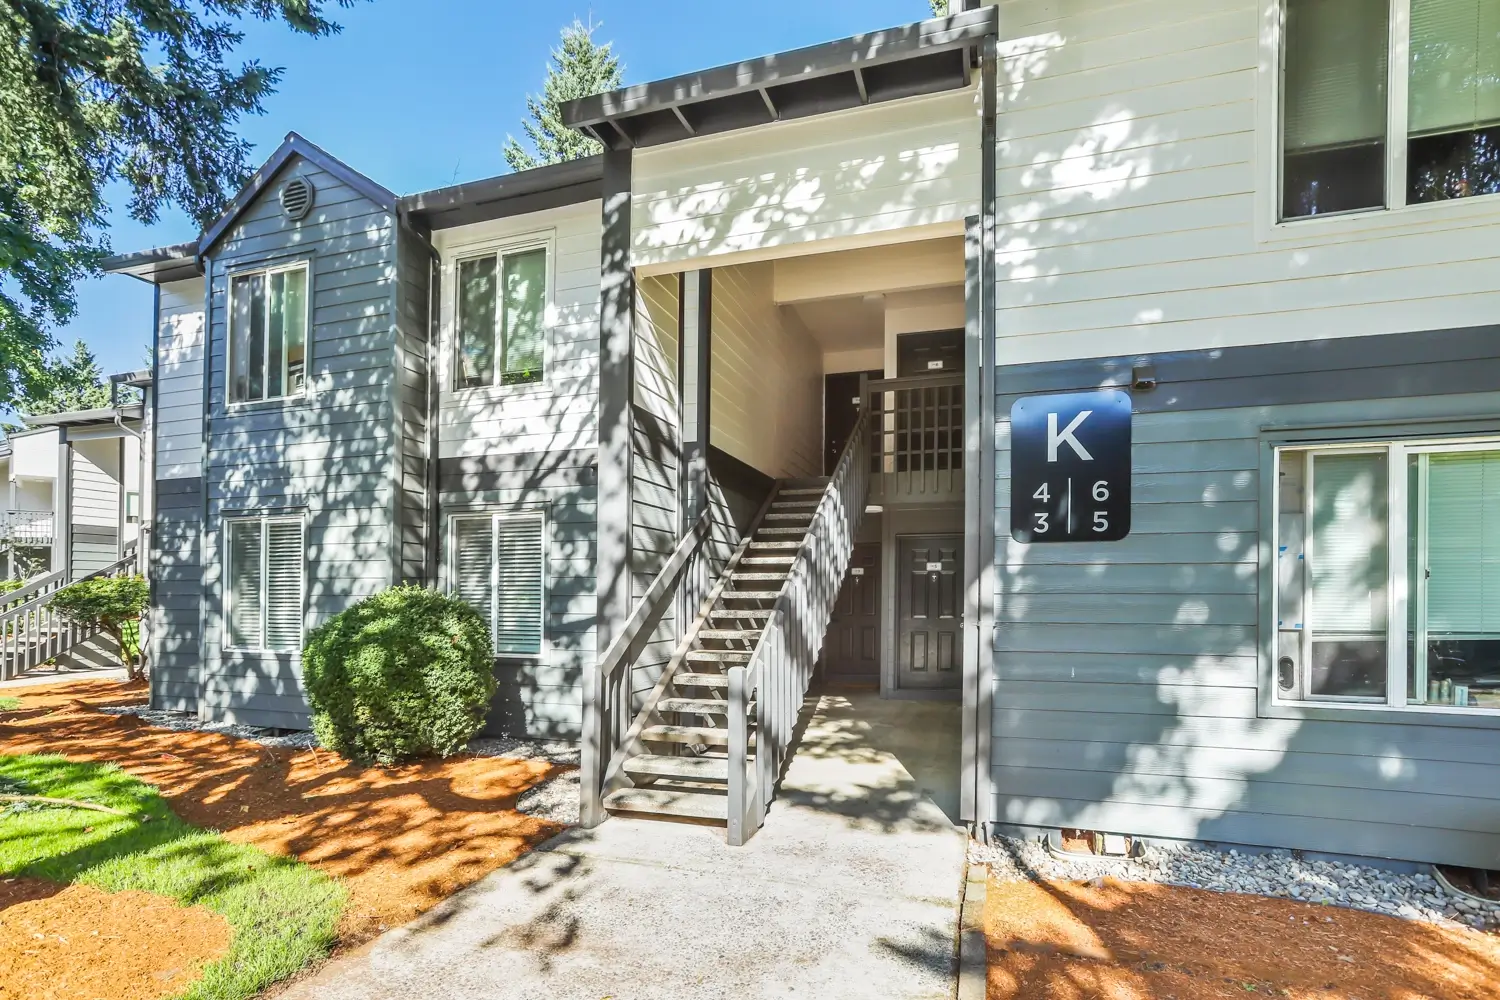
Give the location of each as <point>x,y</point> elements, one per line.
<point>807,516</point>
<point>701,680</point>
<point>689,734</point>
<point>688,768</point>
<point>751,595</point>
<point>753,613</point>
<point>776,504</point>
<point>691,803</point>
<point>799,532</point>
<point>694,706</point>
<point>729,633</point>
<point>718,656</point>
<point>775,546</point>
<point>757,576</point>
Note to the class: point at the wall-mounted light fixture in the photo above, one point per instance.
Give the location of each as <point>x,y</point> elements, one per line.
<point>1142,378</point>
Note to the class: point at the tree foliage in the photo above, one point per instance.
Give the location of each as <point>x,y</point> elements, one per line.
<point>406,673</point>
<point>98,91</point>
<point>939,7</point>
<point>114,604</point>
<point>66,383</point>
<point>579,68</point>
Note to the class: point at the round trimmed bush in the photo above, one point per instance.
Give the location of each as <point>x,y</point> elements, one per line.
<point>407,673</point>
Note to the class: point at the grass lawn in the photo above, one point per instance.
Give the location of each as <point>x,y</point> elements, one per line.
<point>284,914</point>
<point>9,704</point>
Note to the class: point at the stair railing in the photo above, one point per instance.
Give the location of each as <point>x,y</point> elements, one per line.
<point>682,582</point>
<point>31,633</point>
<point>777,677</point>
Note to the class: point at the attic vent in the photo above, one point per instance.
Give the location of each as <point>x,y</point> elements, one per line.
<point>296,198</point>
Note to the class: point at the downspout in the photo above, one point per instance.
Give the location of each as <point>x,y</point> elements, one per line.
<point>989,344</point>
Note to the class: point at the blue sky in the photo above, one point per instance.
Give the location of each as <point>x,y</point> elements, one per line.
<point>419,94</point>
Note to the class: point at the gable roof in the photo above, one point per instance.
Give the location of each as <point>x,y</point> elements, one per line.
<point>293,145</point>
<point>927,57</point>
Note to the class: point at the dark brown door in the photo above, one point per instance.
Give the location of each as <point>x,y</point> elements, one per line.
<point>852,649</point>
<point>841,395</point>
<point>929,612</point>
<point>938,353</point>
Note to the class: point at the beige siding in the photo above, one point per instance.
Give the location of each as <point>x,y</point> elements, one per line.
<point>766,407</point>
<point>851,177</point>
<point>560,413</point>
<point>1134,178</point>
<point>179,381</point>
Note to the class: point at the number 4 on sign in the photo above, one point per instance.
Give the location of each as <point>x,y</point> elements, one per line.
<point>1042,493</point>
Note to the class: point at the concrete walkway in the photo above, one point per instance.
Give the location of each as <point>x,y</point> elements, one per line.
<point>850,890</point>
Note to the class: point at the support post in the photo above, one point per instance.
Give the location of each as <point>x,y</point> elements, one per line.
<point>989,358</point>
<point>697,354</point>
<point>616,366</point>
<point>62,503</point>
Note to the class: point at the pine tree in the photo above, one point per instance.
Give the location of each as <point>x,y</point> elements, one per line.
<point>939,7</point>
<point>66,384</point>
<point>579,68</point>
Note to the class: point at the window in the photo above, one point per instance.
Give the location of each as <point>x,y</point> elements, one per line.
<point>1388,574</point>
<point>132,508</point>
<point>268,334</point>
<point>497,568</point>
<point>1347,82</point>
<point>263,597</point>
<point>500,318</point>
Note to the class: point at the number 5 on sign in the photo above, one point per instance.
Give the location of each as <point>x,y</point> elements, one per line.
<point>1070,467</point>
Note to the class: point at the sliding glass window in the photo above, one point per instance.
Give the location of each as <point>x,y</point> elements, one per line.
<point>1389,574</point>
<point>268,334</point>
<point>501,318</point>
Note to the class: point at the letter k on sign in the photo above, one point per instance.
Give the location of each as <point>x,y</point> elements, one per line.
<point>1054,439</point>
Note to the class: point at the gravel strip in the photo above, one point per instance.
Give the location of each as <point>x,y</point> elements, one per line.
<point>556,753</point>
<point>1275,873</point>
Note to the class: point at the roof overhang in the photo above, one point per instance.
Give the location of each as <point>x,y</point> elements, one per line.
<point>520,193</point>
<point>159,265</point>
<point>85,418</point>
<point>927,57</point>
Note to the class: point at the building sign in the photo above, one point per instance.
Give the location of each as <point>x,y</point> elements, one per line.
<point>1070,467</point>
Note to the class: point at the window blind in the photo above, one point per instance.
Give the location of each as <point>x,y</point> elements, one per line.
<point>1349,558</point>
<point>284,585</point>
<point>1334,72</point>
<point>476,321</point>
<point>1463,544</point>
<point>1455,65</point>
<point>474,564</point>
<point>518,598</point>
<point>244,585</point>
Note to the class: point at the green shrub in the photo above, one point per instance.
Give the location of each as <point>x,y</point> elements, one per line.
<point>407,673</point>
<point>113,604</point>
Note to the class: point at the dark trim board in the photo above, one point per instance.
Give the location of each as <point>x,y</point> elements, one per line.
<point>1429,363</point>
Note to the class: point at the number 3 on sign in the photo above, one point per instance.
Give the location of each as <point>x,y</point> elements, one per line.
<point>1041,522</point>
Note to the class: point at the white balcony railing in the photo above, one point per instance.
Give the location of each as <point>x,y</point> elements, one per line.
<point>26,527</point>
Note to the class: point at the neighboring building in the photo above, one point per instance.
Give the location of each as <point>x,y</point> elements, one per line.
<point>731,405</point>
<point>87,463</point>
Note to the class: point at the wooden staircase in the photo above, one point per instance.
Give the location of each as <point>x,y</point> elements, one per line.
<point>676,761</point>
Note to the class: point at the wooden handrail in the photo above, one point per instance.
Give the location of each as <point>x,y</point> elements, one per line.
<point>912,382</point>
<point>31,633</point>
<point>653,603</point>
<point>780,669</point>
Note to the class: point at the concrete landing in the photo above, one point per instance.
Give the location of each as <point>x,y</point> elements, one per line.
<point>850,890</point>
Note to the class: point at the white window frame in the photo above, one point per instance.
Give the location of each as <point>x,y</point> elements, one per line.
<point>1270,227</point>
<point>264,520</point>
<point>502,247</point>
<point>229,348</point>
<point>1397,452</point>
<point>450,567</point>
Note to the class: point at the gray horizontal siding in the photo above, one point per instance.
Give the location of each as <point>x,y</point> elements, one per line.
<point>540,697</point>
<point>176,595</point>
<point>1127,674</point>
<point>331,456</point>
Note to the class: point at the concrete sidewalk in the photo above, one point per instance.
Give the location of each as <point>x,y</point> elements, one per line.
<point>851,890</point>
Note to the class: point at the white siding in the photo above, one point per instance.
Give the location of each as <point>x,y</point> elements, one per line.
<point>767,372</point>
<point>96,483</point>
<point>852,177</point>
<point>561,412</point>
<point>34,455</point>
<point>179,381</point>
<point>1135,169</point>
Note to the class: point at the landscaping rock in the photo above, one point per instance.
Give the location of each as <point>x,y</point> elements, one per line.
<point>1275,873</point>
